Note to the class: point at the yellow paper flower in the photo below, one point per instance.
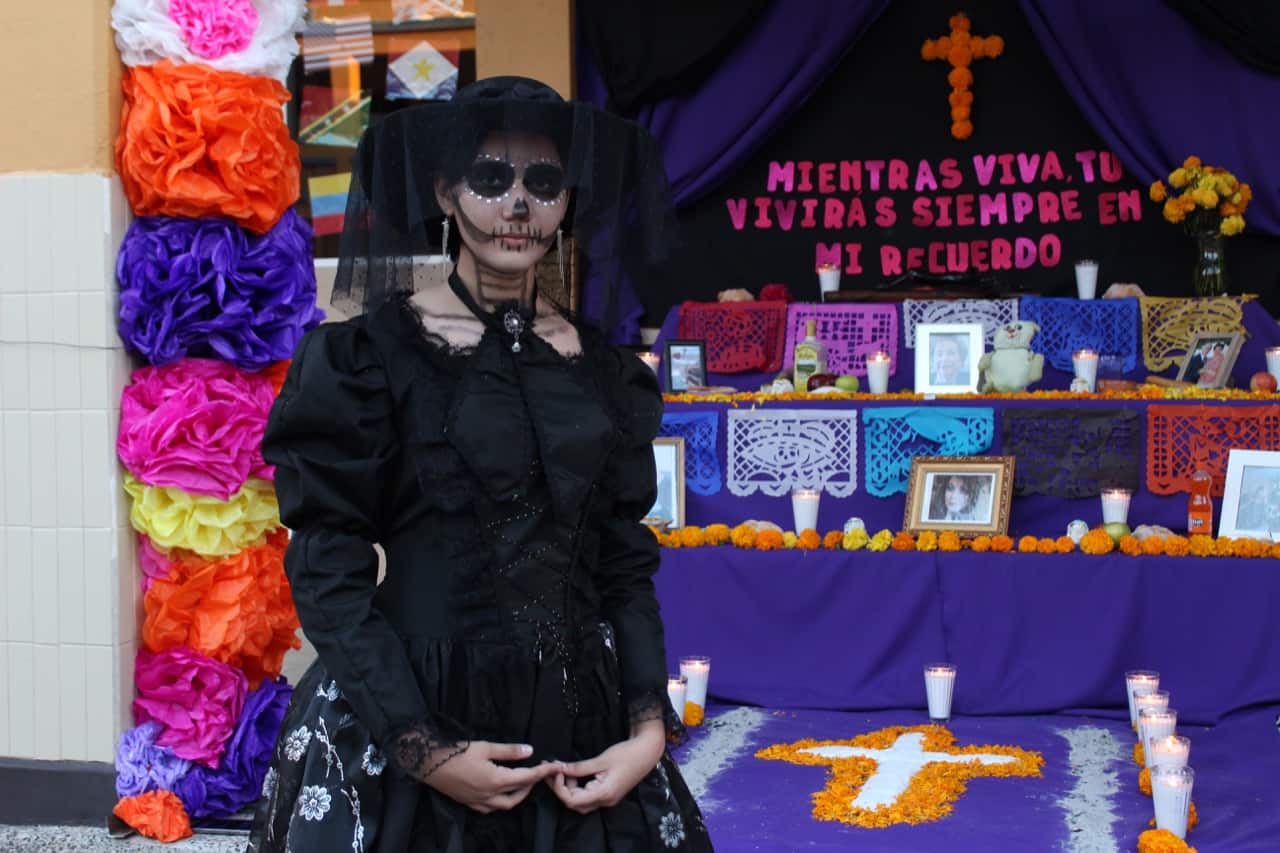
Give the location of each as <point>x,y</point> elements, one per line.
<point>855,540</point>
<point>927,541</point>
<point>171,518</point>
<point>881,541</point>
<point>789,539</point>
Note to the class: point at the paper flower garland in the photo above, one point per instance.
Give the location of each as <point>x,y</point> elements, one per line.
<point>142,766</point>
<point>196,699</point>
<point>198,142</point>
<point>210,31</point>
<point>205,287</point>
<point>196,425</point>
<point>210,527</point>
<point>236,610</point>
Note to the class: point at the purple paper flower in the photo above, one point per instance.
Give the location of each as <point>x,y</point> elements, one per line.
<point>238,781</point>
<point>207,288</point>
<point>142,766</point>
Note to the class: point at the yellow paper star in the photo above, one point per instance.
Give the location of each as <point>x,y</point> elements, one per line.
<point>423,69</point>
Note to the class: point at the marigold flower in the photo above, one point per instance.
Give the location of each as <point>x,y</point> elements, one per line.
<point>669,540</point>
<point>929,50</point>
<point>959,113</point>
<point>1162,841</point>
<point>809,540</point>
<point>1200,545</point>
<point>1231,225</point>
<point>1028,545</point>
<point>960,55</point>
<point>716,534</point>
<point>1130,545</point>
<point>1224,546</point>
<point>1065,544</point>
<point>833,540</point>
<point>1144,781</point>
<point>691,536</point>
<point>1251,548</point>
<point>1139,755</point>
<point>743,536</point>
<point>881,541</point>
<point>1176,546</point>
<point>960,78</point>
<point>1153,546</point>
<point>980,544</point>
<point>1206,198</point>
<point>1192,162</point>
<point>1097,541</point>
<point>994,46</point>
<point>949,540</point>
<point>903,541</point>
<point>962,129</point>
<point>1001,544</point>
<point>927,541</point>
<point>1178,178</point>
<point>1172,211</point>
<point>1158,192</point>
<point>1275,551</point>
<point>789,539</point>
<point>959,22</point>
<point>768,540</point>
<point>960,98</point>
<point>855,540</point>
<point>1047,546</point>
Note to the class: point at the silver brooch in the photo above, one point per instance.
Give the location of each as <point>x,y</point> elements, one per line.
<point>514,324</point>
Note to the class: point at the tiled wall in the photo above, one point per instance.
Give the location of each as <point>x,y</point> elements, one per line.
<point>68,578</point>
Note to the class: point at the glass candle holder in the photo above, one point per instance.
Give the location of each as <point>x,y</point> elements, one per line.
<point>1084,362</point>
<point>1152,699</point>
<point>878,372</point>
<point>1168,751</point>
<point>1273,362</point>
<point>1139,680</point>
<point>828,279</point>
<point>939,685</point>
<point>1171,795</point>
<point>677,689</point>
<point>804,509</point>
<point>1115,505</point>
<point>696,670</point>
<point>1152,725</point>
<point>1086,278</point>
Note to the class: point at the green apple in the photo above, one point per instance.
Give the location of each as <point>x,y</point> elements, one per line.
<point>1116,529</point>
<point>847,383</point>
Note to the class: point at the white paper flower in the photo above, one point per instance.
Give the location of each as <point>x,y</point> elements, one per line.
<point>296,743</point>
<point>313,802</point>
<point>146,34</point>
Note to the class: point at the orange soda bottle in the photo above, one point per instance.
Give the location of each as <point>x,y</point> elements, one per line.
<point>1200,504</point>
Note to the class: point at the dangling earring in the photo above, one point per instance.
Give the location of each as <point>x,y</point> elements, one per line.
<point>560,257</point>
<point>444,238</point>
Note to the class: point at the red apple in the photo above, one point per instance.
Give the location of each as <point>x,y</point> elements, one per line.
<point>1263,381</point>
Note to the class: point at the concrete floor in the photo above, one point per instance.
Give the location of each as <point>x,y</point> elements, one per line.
<point>87,839</point>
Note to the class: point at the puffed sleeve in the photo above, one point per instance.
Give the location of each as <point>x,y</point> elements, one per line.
<point>628,550</point>
<point>332,439</point>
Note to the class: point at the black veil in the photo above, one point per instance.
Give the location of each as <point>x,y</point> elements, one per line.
<point>619,214</point>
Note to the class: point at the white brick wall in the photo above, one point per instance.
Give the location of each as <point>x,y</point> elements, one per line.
<point>69,599</point>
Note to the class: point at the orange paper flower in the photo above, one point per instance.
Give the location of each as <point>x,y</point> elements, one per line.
<point>1001,544</point>
<point>235,609</point>
<point>198,142</point>
<point>155,814</point>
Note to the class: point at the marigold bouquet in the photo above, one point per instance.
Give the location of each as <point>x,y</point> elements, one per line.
<point>1203,198</point>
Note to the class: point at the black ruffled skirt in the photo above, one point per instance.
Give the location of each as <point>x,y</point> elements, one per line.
<point>331,788</point>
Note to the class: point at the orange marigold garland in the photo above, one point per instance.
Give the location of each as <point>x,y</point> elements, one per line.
<point>1139,755</point>
<point>932,792</point>
<point>1162,841</point>
<point>1097,541</point>
<point>809,540</point>
<point>1065,544</point>
<point>769,540</point>
<point>1001,544</point>
<point>927,541</point>
<point>716,534</point>
<point>833,540</point>
<point>743,536</point>
<point>1144,781</point>
<point>949,540</point>
<point>1130,545</point>
<point>903,541</point>
<point>1192,817</point>
<point>980,544</point>
<point>691,536</point>
<point>1028,545</point>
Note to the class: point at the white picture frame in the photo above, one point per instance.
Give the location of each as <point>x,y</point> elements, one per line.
<point>668,459</point>
<point>1251,498</point>
<point>947,356</point>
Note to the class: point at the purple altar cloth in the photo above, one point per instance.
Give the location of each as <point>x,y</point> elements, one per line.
<point>764,806</point>
<point>1261,331</point>
<point>1037,515</point>
<point>1029,633</point>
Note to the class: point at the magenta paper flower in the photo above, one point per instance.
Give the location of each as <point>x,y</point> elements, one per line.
<point>214,28</point>
<point>153,562</point>
<point>197,699</point>
<point>195,425</point>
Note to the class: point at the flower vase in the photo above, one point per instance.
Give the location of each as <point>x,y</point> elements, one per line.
<point>1210,273</point>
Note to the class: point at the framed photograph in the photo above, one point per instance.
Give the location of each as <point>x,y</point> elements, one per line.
<point>947,356</point>
<point>668,457</point>
<point>686,365</point>
<point>1209,359</point>
<point>1251,500</point>
<point>967,494</point>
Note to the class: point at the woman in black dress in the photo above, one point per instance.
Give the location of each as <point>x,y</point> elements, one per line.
<point>504,686</point>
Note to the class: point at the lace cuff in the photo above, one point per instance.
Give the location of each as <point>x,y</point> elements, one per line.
<point>654,705</point>
<point>420,749</point>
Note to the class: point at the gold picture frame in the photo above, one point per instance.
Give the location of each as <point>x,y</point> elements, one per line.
<point>668,459</point>
<point>1216,351</point>
<point>970,495</point>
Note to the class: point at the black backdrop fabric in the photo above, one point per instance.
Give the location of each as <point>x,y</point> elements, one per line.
<point>884,103</point>
<point>1248,28</point>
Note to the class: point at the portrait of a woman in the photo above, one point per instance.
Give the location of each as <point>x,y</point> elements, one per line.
<point>960,497</point>
<point>948,359</point>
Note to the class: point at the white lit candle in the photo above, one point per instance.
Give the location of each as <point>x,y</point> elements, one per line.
<point>1155,724</point>
<point>1153,699</point>
<point>804,509</point>
<point>1171,793</point>
<point>1169,751</point>
<point>697,672</point>
<point>677,686</point>
<point>828,279</point>
<point>1085,364</point>
<point>1139,681</point>
<point>1086,279</point>
<point>1273,362</point>
<point>1115,505</point>
<point>939,684</point>
<point>878,372</point>
<point>652,359</point>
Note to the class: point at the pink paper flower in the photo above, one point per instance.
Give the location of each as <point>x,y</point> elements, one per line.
<point>153,562</point>
<point>214,28</point>
<point>195,425</point>
<point>197,700</point>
